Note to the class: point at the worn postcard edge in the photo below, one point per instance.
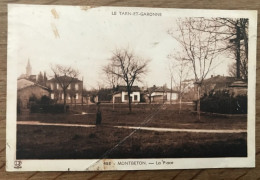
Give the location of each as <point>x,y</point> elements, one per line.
<point>98,165</point>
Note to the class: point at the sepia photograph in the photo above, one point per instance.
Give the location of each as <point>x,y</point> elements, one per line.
<point>117,88</point>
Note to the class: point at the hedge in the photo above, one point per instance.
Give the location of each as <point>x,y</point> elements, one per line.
<point>45,105</point>
<point>48,108</point>
<point>223,102</point>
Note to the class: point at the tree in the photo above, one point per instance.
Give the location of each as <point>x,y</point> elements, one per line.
<point>45,79</point>
<point>112,79</point>
<point>150,92</point>
<point>128,67</point>
<point>71,94</point>
<point>85,94</point>
<point>232,70</point>
<point>236,42</point>
<point>232,39</point>
<point>164,88</point>
<point>40,79</point>
<point>199,48</point>
<point>64,76</point>
<point>181,68</point>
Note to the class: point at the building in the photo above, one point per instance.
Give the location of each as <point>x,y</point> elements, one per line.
<point>238,87</point>
<point>27,90</point>
<point>28,75</point>
<point>219,83</point>
<point>187,85</point>
<point>121,96</point>
<point>74,89</point>
<point>216,83</point>
<point>160,94</point>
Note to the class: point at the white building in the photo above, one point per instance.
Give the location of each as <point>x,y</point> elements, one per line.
<point>160,94</point>
<point>121,95</point>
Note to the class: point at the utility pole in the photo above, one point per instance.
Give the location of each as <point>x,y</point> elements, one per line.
<point>237,41</point>
<point>82,94</point>
<point>171,91</point>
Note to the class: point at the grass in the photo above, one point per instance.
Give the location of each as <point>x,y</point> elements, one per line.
<point>43,142</point>
<point>54,142</point>
<point>169,117</point>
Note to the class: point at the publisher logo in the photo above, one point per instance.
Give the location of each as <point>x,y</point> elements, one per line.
<point>17,164</point>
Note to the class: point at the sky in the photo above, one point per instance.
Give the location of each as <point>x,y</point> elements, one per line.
<point>86,39</point>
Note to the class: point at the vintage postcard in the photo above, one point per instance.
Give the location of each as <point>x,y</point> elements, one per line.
<point>128,88</point>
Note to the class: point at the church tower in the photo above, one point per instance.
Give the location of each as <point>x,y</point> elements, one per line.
<point>28,69</point>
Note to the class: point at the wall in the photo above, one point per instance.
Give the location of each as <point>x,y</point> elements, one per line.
<point>57,92</point>
<point>25,93</point>
<point>174,96</point>
<point>132,95</point>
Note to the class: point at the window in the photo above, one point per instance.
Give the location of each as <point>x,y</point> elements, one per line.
<point>58,86</point>
<point>135,97</point>
<point>52,96</point>
<point>76,86</point>
<point>126,97</point>
<point>69,86</point>
<point>77,96</point>
<point>62,96</point>
<point>51,86</point>
<point>68,96</point>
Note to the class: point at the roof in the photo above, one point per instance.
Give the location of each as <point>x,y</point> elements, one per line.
<point>239,83</point>
<point>64,78</point>
<point>124,88</point>
<point>220,82</point>
<point>24,83</point>
<point>161,89</point>
<point>189,81</point>
<point>219,79</point>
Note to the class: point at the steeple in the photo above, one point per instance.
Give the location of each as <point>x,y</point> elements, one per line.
<point>28,68</point>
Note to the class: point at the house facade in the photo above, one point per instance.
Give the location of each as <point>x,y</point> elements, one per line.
<point>219,83</point>
<point>216,83</point>
<point>238,87</point>
<point>160,95</point>
<point>74,90</point>
<point>27,89</point>
<point>121,96</point>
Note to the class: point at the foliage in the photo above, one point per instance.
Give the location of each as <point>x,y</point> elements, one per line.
<point>33,98</point>
<point>224,102</point>
<point>125,65</point>
<point>64,75</point>
<point>48,108</point>
<point>45,105</point>
<point>105,94</point>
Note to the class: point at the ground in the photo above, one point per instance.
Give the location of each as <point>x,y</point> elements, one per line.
<point>51,141</point>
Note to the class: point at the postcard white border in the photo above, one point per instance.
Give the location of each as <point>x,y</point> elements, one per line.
<point>178,163</point>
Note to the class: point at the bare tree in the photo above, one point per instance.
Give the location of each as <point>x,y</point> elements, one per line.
<point>199,48</point>
<point>64,76</point>
<point>112,79</point>
<point>236,38</point>
<point>232,39</point>
<point>232,70</point>
<point>164,88</point>
<point>40,79</point>
<point>181,68</point>
<point>150,91</point>
<point>125,65</point>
